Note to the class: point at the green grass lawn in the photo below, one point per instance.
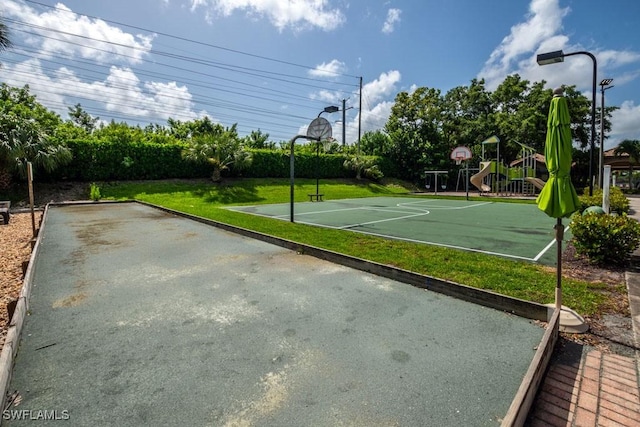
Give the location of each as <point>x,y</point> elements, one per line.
<point>514,278</point>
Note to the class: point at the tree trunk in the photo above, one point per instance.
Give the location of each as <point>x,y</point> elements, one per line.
<point>217,174</point>
<point>5,179</point>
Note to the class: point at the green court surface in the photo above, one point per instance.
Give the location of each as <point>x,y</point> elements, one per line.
<point>512,230</point>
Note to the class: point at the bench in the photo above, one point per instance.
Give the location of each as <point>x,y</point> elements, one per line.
<point>4,211</point>
<point>317,197</point>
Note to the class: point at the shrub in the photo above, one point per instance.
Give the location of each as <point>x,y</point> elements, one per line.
<point>618,202</point>
<point>605,239</point>
<point>364,166</point>
<point>94,192</point>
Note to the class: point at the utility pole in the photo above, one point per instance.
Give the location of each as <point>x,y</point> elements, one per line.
<point>360,117</point>
<point>344,122</point>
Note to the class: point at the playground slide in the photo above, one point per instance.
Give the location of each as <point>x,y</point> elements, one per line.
<point>537,182</point>
<point>485,169</point>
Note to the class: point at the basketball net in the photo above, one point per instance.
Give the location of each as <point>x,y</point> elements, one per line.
<point>459,160</point>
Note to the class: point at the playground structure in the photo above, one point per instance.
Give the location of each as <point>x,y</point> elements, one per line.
<point>432,179</point>
<point>495,177</point>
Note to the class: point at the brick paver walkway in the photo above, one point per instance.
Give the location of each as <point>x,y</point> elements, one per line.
<point>600,390</point>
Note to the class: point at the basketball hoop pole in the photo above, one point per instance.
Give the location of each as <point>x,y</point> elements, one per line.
<point>462,154</point>
<point>467,180</point>
<point>291,169</point>
<point>459,160</point>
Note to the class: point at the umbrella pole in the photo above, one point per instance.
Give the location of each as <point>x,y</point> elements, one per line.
<point>559,236</point>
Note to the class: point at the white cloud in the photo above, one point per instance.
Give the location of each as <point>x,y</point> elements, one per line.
<point>121,92</point>
<point>30,72</point>
<point>625,124</point>
<point>393,18</point>
<point>295,14</point>
<point>60,31</point>
<point>382,87</point>
<point>544,21</point>
<point>125,93</point>
<point>327,96</point>
<point>376,104</point>
<point>541,31</point>
<point>330,69</point>
<point>377,101</point>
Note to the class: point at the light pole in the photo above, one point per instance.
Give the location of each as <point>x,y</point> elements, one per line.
<point>558,56</point>
<point>604,85</point>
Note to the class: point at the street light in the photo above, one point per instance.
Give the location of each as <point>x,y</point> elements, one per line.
<point>558,56</point>
<point>604,85</point>
<point>329,109</point>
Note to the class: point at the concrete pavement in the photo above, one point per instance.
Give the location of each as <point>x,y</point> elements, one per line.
<point>141,317</point>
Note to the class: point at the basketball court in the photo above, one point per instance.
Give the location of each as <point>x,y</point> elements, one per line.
<point>138,316</point>
<point>510,230</point>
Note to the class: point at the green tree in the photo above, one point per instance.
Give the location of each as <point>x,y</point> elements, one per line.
<point>580,112</point>
<point>221,148</point>
<point>120,132</point>
<point>82,119</point>
<point>520,114</point>
<point>258,139</point>
<point>415,129</point>
<point>185,130</point>
<point>25,129</point>
<point>363,166</point>
<point>375,143</point>
<point>630,147</point>
<point>468,115</point>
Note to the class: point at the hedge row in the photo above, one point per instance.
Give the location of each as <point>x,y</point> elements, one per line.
<point>114,161</point>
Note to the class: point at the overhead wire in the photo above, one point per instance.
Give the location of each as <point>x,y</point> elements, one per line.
<point>138,71</point>
<point>192,40</point>
<point>199,100</point>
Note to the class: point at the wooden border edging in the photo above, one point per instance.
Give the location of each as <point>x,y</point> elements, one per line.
<point>522,402</point>
<point>12,340</point>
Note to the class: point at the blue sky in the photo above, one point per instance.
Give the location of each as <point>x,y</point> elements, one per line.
<point>274,65</point>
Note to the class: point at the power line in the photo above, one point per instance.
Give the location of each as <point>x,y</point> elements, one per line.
<point>226,67</point>
<point>191,40</point>
<point>197,99</point>
<point>193,82</point>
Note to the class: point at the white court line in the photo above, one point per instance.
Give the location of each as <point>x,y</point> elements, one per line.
<point>445,207</point>
<point>542,252</point>
<point>444,245</point>
<point>349,209</point>
<point>383,220</point>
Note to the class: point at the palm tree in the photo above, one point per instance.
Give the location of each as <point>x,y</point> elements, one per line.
<point>222,150</point>
<point>23,141</point>
<point>25,130</point>
<point>630,147</point>
<point>5,43</point>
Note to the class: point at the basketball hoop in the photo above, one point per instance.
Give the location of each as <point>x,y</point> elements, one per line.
<point>460,154</point>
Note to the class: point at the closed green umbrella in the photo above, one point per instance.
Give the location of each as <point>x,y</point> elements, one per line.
<point>558,197</point>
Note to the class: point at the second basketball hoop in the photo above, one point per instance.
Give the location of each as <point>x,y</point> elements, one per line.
<point>461,154</point>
